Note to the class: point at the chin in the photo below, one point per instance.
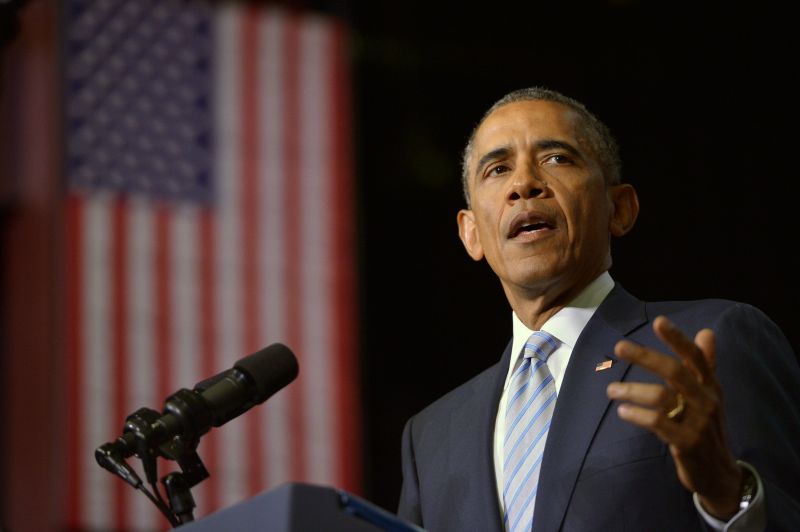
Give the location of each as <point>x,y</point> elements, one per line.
<point>535,278</point>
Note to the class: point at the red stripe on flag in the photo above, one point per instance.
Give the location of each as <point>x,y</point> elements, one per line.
<point>294,219</point>
<point>346,467</point>
<point>119,330</point>
<point>208,342</point>
<point>250,243</point>
<point>162,311</point>
<point>74,347</point>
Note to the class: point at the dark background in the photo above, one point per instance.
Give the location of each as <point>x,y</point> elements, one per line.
<point>701,100</point>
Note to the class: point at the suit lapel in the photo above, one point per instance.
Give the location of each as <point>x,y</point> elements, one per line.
<point>581,404</point>
<point>476,415</point>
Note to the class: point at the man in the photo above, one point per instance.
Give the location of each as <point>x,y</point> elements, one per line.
<point>601,413</point>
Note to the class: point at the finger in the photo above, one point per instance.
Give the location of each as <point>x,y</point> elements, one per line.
<point>649,395</point>
<point>706,342</point>
<point>668,368</point>
<point>653,420</point>
<point>682,346</point>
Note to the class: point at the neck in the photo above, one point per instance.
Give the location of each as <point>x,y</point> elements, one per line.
<point>534,306</point>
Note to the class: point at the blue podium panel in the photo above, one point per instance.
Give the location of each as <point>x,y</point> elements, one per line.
<point>298,507</point>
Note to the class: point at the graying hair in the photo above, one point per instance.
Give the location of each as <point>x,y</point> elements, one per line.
<point>600,139</point>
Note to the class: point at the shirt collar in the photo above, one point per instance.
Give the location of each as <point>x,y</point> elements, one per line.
<point>568,323</point>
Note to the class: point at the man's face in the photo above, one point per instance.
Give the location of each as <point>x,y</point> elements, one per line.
<point>541,211</point>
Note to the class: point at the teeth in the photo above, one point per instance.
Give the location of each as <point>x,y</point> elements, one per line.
<point>530,227</point>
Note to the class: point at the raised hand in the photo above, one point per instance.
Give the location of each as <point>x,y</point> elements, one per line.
<point>686,412</point>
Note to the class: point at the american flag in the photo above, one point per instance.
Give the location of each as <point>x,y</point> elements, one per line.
<point>604,365</point>
<point>209,213</point>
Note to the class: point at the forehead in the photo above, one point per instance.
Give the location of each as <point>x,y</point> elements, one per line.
<point>519,120</point>
<point>518,124</point>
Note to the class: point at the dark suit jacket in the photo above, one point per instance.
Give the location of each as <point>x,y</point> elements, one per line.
<point>600,473</point>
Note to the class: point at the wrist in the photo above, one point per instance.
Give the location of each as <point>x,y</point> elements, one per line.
<point>738,491</point>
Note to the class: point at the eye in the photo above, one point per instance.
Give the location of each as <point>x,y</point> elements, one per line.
<point>497,170</point>
<point>557,158</point>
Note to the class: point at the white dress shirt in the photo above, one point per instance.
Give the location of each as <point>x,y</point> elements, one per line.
<point>567,325</point>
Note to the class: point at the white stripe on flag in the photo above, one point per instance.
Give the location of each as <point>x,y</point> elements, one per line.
<point>231,474</point>
<point>185,301</point>
<point>315,257</point>
<point>141,361</point>
<point>184,298</point>
<point>98,361</point>
<point>272,265</point>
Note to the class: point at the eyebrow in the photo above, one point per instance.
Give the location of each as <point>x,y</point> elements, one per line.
<point>545,144</point>
<point>498,153</point>
<point>549,144</point>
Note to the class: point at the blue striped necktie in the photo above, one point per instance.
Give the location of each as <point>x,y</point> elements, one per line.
<point>531,401</point>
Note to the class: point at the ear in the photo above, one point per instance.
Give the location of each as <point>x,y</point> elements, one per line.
<point>468,232</point>
<point>625,204</point>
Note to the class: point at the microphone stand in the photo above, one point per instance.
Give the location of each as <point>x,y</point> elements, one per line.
<point>137,438</point>
<point>178,484</point>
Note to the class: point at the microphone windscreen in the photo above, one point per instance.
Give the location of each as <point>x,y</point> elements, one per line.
<point>271,369</point>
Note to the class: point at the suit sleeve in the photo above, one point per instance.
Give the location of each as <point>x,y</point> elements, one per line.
<point>409,506</point>
<point>760,377</point>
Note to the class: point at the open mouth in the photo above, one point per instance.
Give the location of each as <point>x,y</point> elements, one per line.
<point>528,223</point>
<point>530,228</point>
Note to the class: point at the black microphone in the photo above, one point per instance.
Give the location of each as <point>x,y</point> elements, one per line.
<point>192,413</point>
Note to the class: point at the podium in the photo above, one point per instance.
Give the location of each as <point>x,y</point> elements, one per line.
<point>300,507</point>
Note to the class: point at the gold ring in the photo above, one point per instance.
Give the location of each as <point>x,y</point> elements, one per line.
<point>676,412</point>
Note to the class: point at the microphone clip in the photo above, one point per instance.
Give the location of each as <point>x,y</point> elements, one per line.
<point>146,436</point>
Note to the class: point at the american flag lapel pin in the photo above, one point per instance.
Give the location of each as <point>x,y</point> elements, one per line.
<point>604,365</point>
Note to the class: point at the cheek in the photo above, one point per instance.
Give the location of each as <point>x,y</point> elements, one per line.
<point>488,217</point>
<point>488,230</point>
<point>595,226</point>
<point>588,223</point>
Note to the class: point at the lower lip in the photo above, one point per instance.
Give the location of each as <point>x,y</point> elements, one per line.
<point>530,236</point>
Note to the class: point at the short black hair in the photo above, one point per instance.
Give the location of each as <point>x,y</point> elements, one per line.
<point>600,138</point>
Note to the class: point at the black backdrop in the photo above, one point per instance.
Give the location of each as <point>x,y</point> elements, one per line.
<point>701,101</point>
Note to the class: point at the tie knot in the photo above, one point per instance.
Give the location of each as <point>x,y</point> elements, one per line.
<point>540,345</point>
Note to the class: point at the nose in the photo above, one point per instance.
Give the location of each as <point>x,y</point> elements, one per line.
<point>525,185</point>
